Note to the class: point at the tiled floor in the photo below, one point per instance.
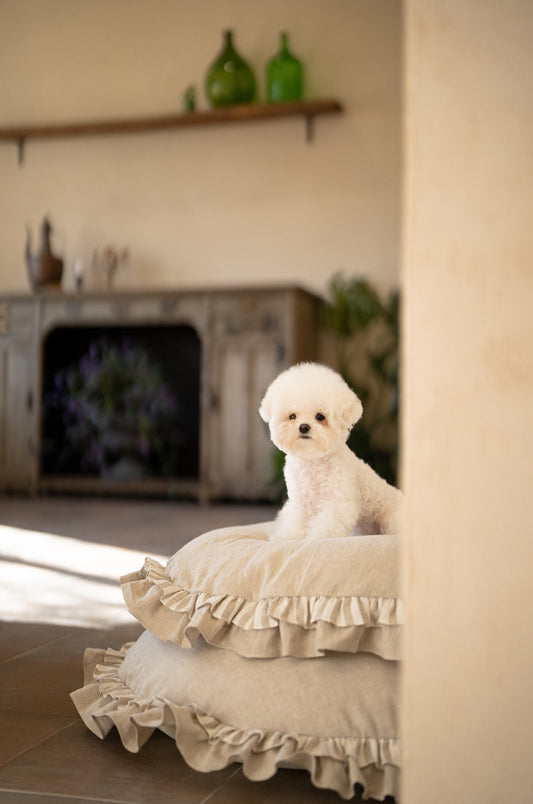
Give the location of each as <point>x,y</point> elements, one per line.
<point>47,756</point>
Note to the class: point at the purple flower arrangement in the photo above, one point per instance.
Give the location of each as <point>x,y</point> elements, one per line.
<point>110,405</point>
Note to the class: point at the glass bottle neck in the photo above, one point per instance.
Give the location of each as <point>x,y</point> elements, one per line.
<point>284,42</point>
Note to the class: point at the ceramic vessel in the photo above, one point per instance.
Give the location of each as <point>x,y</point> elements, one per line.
<point>44,269</point>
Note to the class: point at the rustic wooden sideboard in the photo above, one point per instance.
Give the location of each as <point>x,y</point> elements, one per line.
<point>247,336</point>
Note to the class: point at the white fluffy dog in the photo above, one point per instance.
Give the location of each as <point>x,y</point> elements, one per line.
<point>310,411</point>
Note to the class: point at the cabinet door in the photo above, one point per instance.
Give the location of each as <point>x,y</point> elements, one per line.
<point>243,456</point>
<point>17,415</point>
<point>248,352</point>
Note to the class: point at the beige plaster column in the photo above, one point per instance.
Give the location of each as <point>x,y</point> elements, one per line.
<point>468,390</point>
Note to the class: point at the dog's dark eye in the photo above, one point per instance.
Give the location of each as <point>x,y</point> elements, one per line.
<point>292,416</point>
<point>320,417</point>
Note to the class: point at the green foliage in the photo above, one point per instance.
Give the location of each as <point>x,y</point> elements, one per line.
<point>353,305</point>
<point>354,308</point>
<point>111,402</point>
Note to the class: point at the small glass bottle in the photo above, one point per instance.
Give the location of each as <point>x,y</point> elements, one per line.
<point>230,79</point>
<point>284,74</point>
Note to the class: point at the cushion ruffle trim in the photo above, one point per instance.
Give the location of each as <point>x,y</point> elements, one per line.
<point>301,626</point>
<point>336,763</point>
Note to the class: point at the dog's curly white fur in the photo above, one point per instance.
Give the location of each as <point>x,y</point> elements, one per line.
<point>311,411</point>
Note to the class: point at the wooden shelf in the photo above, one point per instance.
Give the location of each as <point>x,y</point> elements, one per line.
<point>243,113</point>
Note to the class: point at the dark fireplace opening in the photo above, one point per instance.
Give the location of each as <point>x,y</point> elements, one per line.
<point>121,402</point>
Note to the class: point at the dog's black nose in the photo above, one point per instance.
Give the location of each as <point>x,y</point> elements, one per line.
<point>304,428</point>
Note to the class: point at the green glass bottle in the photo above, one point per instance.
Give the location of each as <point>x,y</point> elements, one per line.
<point>230,79</point>
<point>284,74</point>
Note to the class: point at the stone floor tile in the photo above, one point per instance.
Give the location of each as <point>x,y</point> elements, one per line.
<point>75,761</point>
<point>11,797</point>
<point>22,730</point>
<point>17,638</point>
<point>41,680</point>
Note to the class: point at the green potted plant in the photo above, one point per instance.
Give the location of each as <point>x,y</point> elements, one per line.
<point>113,411</point>
<point>366,333</point>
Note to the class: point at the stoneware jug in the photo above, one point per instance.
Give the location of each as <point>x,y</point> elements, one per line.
<point>44,269</point>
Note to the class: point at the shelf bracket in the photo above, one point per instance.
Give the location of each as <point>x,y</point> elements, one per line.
<point>309,128</point>
<point>21,144</point>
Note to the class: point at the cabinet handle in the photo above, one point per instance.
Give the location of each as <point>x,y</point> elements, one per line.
<point>29,400</point>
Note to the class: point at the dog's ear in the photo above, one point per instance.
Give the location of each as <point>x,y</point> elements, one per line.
<point>265,409</point>
<point>350,410</point>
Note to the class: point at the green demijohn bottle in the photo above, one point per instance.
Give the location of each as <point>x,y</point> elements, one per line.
<point>284,75</point>
<point>230,79</point>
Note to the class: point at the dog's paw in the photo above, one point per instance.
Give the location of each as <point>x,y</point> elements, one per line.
<point>283,532</point>
<point>338,532</point>
<point>332,522</point>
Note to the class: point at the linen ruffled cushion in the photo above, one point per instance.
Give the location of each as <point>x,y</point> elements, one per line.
<point>334,716</point>
<point>264,599</point>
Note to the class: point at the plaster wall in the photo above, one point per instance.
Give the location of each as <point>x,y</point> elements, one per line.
<point>468,394</point>
<point>230,205</point>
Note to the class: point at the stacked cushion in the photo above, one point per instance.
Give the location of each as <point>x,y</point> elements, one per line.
<point>273,654</point>
<point>264,599</point>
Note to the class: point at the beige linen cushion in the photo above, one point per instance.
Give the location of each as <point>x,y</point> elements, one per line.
<point>265,599</point>
<point>335,716</point>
